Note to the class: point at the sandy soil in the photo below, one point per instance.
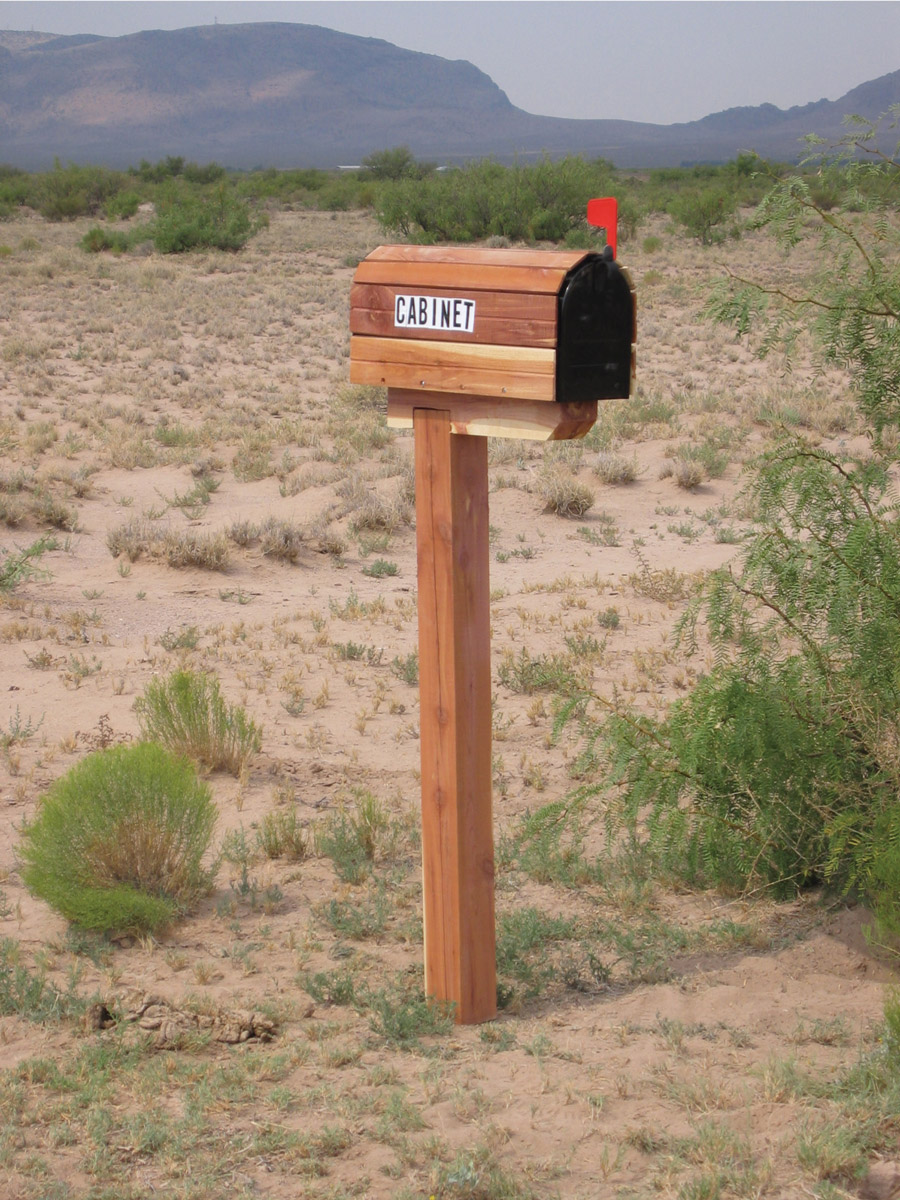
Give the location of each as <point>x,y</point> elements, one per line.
<point>657,1057</point>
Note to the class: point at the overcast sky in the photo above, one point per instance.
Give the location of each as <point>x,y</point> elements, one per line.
<point>662,62</point>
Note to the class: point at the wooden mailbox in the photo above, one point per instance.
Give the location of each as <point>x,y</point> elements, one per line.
<point>520,343</point>
<point>476,342</point>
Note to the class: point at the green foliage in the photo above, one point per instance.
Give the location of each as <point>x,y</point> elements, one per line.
<point>779,767</point>
<point>524,936</point>
<point>548,846</point>
<point>526,675</point>
<point>122,205</point>
<point>186,713</point>
<point>852,304</point>
<point>352,837</point>
<point>782,767</point>
<point>26,994</point>
<point>402,1015</point>
<point>396,163</point>
<point>118,842</point>
<point>543,201</point>
<point>407,668</point>
<point>74,191</point>
<point>703,213</point>
<point>17,566</point>
<point>381,568</point>
<point>218,221</point>
<point>99,239</point>
<point>399,1013</point>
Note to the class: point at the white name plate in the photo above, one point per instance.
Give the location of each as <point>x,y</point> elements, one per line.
<point>434,312</point>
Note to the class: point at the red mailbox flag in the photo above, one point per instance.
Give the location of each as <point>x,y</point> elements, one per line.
<point>605,214</point>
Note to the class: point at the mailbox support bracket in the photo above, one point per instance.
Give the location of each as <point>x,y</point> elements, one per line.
<point>455,714</point>
<point>490,416</point>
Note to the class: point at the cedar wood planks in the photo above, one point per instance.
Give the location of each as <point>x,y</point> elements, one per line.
<point>515,292</point>
<point>504,318</point>
<point>492,416</point>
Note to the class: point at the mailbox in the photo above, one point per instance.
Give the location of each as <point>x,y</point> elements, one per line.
<point>528,325</point>
<point>485,343</point>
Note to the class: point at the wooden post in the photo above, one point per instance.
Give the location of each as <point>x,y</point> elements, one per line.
<point>455,716</point>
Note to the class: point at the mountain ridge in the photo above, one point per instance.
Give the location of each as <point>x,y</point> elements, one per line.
<point>282,94</point>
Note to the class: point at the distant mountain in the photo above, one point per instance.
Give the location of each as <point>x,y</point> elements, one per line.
<point>300,95</point>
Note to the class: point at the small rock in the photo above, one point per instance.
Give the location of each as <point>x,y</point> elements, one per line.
<point>882,1182</point>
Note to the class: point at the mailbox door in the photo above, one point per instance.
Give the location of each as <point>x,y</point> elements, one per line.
<point>595,332</point>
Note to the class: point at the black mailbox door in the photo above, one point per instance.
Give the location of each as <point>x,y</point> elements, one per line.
<point>595,332</point>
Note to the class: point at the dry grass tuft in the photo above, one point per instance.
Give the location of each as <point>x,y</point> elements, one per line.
<point>562,492</point>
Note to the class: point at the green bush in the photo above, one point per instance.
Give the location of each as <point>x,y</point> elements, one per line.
<point>117,844</point>
<point>186,713</point>
<point>702,213</point>
<point>74,191</point>
<point>97,240</point>
<point>397,163</point>
<point>220,221</point>
<point>122,205</point>
<point>546,201</point>
<point>781,768</point>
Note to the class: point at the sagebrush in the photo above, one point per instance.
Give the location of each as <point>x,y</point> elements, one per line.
<point>118,842</point>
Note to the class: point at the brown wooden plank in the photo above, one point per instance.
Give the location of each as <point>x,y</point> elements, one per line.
<point>455,380</point>
<point>488,331</point>
<point>489,416</point>
<point>455,717</point>
<point>502,318</point>
<point>536,360</point>
<point>474,276</point>
<point>509,305</point>
<point>566,259</point>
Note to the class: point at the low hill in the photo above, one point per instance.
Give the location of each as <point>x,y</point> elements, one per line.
<point>301,95</point>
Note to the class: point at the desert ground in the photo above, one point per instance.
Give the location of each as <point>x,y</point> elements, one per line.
<point>220,498</point>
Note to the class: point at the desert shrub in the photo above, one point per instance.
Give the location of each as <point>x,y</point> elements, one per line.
<point>98,239</point>
<point>782,767</point>
<point>702,213</point>
<point>135,537</point>
<point>524,674</point>
<point>352,836</point>
<point>189,549</point>
<point>562,492</point>
<point>74,191</point>
<point>281,834</point>
<point>220,221</point>
<point>613,468</point>
<point>186,713</point>
<point>282,540</point>
<point>398,162</point>
<point>122,205</point>
<point>693,464</point>
<point>546,200</point>
<point>118,842</point>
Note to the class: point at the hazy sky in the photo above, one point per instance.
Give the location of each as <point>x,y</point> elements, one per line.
<point>662,62</point>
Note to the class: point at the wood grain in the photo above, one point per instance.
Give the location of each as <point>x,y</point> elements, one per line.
<point>560,259</point>
<point>536,360</point>
<point>456,381</point>
<point>473,276</point>
<point>490,416</point>
<point>502,318</point>
<point>527,372</point>
<point>455,716</point>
